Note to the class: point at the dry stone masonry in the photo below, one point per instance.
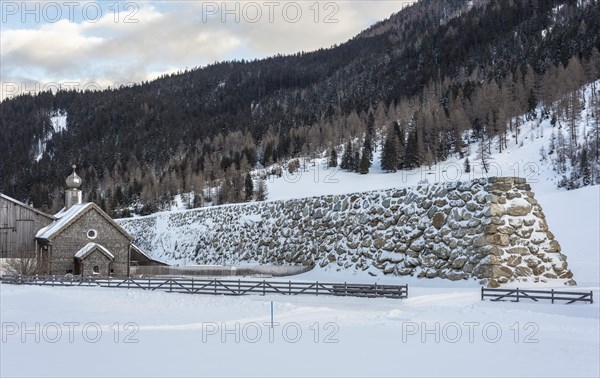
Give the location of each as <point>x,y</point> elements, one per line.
<point>492,229</point>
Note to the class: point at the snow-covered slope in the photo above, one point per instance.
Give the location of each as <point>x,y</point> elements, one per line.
<point>522,159</point>
<point>59,124</point>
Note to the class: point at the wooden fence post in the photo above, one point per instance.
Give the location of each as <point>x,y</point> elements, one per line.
<point>482,293</point>
<point>317,288</point>
<point>552,296</point>
<point>517,294</point>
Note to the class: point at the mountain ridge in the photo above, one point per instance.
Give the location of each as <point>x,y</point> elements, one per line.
<point>211,126</point>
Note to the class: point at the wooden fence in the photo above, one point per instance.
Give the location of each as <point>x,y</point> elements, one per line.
<point>517,294</point>
<point>219,271</point>
<point>220,287</point>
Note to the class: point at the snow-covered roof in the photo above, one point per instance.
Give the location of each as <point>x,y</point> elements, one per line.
<point>141,252</point>
<point>60,213</point>
<point>25,205</point>
<point>83,252</point>
<point>64,217</point>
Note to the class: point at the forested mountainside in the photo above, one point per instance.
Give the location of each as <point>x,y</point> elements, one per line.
<point>426,82</point>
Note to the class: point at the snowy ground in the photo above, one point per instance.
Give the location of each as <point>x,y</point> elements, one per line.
<point>443,328</point>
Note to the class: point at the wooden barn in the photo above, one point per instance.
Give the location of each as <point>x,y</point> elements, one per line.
<point>81,239</point>
<point>18,225</point>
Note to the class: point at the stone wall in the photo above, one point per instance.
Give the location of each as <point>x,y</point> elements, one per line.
<point>95,258</point>
<point>493,230</point>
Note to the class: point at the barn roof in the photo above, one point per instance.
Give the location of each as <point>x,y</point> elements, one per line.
<point>67,217</point>
<point>19,203</point>
<point>141,252</point>
<point>90,247</point>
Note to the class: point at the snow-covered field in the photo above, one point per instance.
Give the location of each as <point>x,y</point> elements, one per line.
<point>443,328</point>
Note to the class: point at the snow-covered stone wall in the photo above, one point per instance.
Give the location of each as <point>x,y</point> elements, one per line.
<point>490,229</point>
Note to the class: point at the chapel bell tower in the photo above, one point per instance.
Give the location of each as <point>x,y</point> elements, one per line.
<point>73,193</point>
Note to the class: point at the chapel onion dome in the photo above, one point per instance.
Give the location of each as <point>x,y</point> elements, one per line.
<point>74,181</point>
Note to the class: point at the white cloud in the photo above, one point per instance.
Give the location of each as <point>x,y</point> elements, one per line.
<point>173,36</point>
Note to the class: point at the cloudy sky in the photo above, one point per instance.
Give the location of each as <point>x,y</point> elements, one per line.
<point>98,43</point>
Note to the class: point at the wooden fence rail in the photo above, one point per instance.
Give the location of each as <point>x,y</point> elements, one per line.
<point>220,287</point>
<point>517,294</point>
<point>218,271</point>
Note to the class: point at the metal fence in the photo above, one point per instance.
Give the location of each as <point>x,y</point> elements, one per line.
<point>220,287</point>
<point>552,295</point>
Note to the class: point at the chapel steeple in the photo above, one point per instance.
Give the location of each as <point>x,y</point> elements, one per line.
<point>73,193</point>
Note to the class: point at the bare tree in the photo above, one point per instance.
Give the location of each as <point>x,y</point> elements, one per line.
<point>23,264</point>
<point>483,153</point>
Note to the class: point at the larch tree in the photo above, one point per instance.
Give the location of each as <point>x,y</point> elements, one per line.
<point>483,153</point>
<point>261,190</point>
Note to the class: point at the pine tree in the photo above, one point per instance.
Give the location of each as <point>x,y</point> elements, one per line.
<point>347,158</point>
<point>561,153</point>
<point>584,166</point>
<point>371,125</point>
<point>248,187</point>
<point>367,149</point>
<point>364,164</point>
<point>532,105</point>
<point>467,165</point>
<point>333,158</point>
<point>356,161</point>
<point>401,148</point>
<point>118,198</point>
<point>596,128</point>
<point>411,154</point>
<point>389,154</point>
